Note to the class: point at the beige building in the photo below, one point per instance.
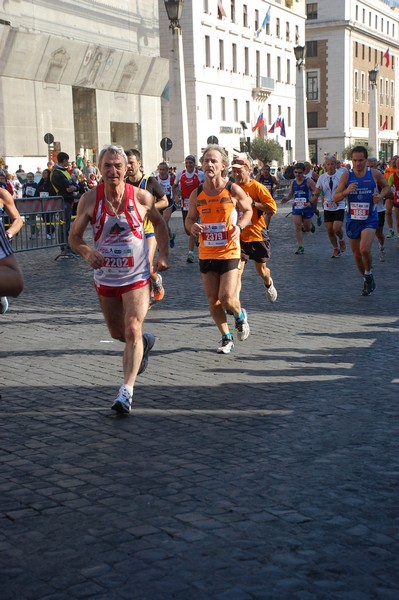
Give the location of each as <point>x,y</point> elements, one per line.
<point>345,40</point>
<point>87,71</point>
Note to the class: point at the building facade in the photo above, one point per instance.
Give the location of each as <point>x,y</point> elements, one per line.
<point>345,40</point>
<point>89,72</point>
<point>239,64</point>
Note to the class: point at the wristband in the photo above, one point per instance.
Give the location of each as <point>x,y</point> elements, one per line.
<point>9,236</point>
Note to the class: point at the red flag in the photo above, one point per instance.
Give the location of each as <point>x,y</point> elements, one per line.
<point>387,58</point>
<point>259,123</point>
<point>384,125</point>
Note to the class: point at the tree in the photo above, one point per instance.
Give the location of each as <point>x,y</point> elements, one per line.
<point>266,150</point>
<point>346,152</point>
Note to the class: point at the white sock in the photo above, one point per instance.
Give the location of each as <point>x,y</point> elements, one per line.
<point>128,388</point>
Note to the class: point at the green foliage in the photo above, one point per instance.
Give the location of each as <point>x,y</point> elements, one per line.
<point>266,150</point>
<point>346,152</point>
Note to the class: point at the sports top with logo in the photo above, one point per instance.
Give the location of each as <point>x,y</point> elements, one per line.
<point>188,183</point>
<point>361,205</point>
<point>394,180</point>
<point>302,195</point>
<point>327,185</point>
<point>256,230</point>
<point>218,215</point>
<point>120,238</point>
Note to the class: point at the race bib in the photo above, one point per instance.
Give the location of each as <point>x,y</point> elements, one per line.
<point>330,205</point>
<point>44,194</point>
<point>184,203</point>
<point>299,203</point>
<point>119,263</point>
<point>214,234</point>
<point>359,210</point>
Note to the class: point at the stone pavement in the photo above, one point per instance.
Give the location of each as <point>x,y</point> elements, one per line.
<point>270,473</point>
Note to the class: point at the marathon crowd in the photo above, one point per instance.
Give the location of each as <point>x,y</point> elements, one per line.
<point>226,213</point>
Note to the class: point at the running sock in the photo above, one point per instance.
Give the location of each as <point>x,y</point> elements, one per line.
<point>368,272</point>
<point>240,317</point>
<point>227,336</point>
<point>128,388</point>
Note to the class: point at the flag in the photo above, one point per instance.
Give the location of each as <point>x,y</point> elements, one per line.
<point>279,122</point>
<point>266,20</point>
<point>387,58</point>
<point>384,125</point>
<point>221,11</point>
<point>282,128</point>
<point>259,123</point>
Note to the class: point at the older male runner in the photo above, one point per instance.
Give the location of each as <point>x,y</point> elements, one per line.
<point>255,243</point>
<point>360,188</point>
<point>116,210</point>
<point>215,202</point>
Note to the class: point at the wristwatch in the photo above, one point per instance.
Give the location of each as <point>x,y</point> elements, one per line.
<point>241,228</point>
<point>9,236</point>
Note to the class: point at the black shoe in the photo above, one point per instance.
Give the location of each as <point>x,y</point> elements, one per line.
<point>313,228</point>
<point>369,285</point>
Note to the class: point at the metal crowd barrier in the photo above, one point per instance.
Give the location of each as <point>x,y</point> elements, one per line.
<point>45,224</point>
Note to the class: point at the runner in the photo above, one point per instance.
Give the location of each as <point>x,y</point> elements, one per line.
<point>255,242</point>
<point>360,188</point>
<point>11,279</point>
<point>334,214</point>
<point>116,210</point>
<point>301,190</point>
<point>214,202</point>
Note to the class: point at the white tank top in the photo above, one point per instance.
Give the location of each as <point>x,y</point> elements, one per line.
<point>120,239</point>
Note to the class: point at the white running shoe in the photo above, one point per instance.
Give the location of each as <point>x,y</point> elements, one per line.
<point>271,292</point>
<point>227,345</point>
<point>3,305</point>
<point>123,402</point>
<point>242,326</point>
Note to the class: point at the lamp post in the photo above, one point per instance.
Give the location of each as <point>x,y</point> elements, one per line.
<point>373,122</point>
<point>301,125</point>
<point>178,119</point>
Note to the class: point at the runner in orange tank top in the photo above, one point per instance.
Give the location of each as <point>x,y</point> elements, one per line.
<point>215,202</point>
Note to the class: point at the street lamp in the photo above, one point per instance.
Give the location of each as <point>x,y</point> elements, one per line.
<point>301,125</point>
<point>174,9</point>
<point>373,123</point>
<point>178,117</point>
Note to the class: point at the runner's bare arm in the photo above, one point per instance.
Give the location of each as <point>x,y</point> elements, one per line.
<point>12,212</point>
<point>147,208</point>
<point>191,226</point>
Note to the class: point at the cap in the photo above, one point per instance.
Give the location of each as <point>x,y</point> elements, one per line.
<point>240,163</point>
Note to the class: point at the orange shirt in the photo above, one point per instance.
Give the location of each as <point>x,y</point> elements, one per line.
<point>258,192</point>
<point>389,171</point>
<point>218,215</point>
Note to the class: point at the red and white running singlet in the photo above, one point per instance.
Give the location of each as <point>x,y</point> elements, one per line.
<point>120,239</point>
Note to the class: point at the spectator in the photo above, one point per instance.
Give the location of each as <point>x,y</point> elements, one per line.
<point>45,189</point>
<point>29,191</point>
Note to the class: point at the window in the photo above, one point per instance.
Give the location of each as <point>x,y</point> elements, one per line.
<point>355,118</point>
<point>268,65</point>
<point>392,62</point>
<point>363,51</point>
<point>382,25</point>
<point>312,85</point>
<point>289,116</point>
<point>256,22</point>
<point>392,93</point>
<point>221,11</point>
<point>235,109</point>
<point>393,31</point>
<point>246,60</point>
<point>287,32</point>
<point>288,77</point>
<point>209,107</point>
<point>247,109</point>
<point>376,22</point>
<point>357,13</point>
<point>369,54</point>
<point>279,109</point>
<point>363,86</point>
<point>207,51</point>
<point>311,49</point>
<point>221,55</point>
<point>364,15</point>
<point>312,119</point>
<point>311,10</point>
<point>356,81</point>
<point>269,113</point>
<point>391,122</point>
<point>296,35</point>
<point>278,68</point>
<point>387,92</point>
<point>233,11</point>
<point>245,15</point>
<point>278,28</point>
<point>362,119</point>
<point>356,50</point>
<point>234,57</point>
<point>369,19</point>
<point>381,91</point>
<point>223,108</point>
<point>206,6</point>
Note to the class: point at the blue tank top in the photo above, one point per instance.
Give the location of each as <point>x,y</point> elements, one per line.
<point>301,195</point>
<point>361,206</point>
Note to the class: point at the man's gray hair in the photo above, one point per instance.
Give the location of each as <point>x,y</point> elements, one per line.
<point>222,151</point>
<point>114,149</point>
